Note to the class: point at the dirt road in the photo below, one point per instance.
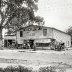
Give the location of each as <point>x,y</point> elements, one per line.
<point>36,58</point>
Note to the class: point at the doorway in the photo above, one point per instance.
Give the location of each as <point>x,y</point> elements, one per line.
<point>10,42</point>
<point>7,43</point>
<point>31,42</point>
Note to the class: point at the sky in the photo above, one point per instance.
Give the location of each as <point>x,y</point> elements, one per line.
<point>56,13</point>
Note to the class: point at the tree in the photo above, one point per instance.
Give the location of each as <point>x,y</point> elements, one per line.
<point>69,31</point>
<point>16,13</point>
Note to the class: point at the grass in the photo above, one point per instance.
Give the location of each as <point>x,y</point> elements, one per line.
<point>15,69</point>
<point>25,69</point>
<point>47,69</point>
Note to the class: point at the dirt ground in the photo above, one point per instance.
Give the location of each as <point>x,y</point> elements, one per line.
<point>36,59</point>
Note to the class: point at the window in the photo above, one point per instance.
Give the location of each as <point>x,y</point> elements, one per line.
<point>44,32</point>
<point>21,33</point>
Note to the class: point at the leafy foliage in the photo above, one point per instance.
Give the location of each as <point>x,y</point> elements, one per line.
<point>16,13</point>
<point>15,69</point>
<point>47,69</point>
<point>69,31</point>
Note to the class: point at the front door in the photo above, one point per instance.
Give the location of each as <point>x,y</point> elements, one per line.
<point>31,42</point>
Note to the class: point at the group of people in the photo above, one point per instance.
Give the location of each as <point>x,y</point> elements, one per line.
<point>60,47</point>
<point>27,45</point>
<point>57,45</point>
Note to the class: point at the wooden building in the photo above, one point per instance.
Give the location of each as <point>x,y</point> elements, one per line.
<point>41,36</point>
<point>9,40</point>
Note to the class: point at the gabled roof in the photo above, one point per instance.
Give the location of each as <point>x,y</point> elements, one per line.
<point>42,27</point>
<point>29,26</point>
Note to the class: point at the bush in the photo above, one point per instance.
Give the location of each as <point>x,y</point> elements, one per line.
<point>47,69</point>
<point>1,70</point>
<point>15,69</point>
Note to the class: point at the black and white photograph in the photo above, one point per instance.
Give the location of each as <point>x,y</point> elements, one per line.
<point>35,35</point>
